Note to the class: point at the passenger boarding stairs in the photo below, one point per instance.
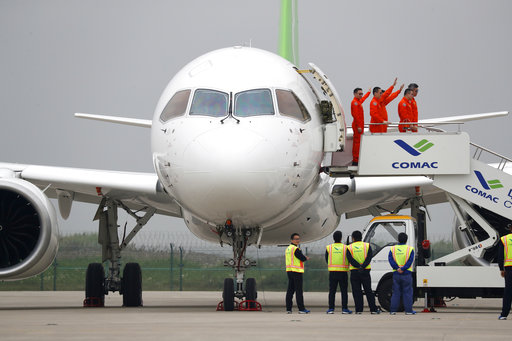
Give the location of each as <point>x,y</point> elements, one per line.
<point>444,157</point>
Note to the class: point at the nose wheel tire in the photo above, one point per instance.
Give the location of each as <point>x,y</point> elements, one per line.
<point>250,291</point>
<point>228,294</point>
<point>132,285</point>
<point>95,281</point>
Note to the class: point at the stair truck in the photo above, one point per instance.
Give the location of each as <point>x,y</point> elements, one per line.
<point>479,194</point>
<point>475,274</point>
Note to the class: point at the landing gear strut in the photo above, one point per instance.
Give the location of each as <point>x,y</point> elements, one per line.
<point>130,284</point>
<point>239,239</point>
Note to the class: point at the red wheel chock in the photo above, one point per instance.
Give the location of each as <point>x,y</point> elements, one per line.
<point>247,305</point>
<point>94,302</point>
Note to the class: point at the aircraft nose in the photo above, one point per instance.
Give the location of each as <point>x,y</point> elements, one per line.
<point>230,172</point>
<point>227,150</point>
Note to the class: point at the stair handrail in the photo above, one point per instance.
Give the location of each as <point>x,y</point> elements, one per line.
<point>478,152</point>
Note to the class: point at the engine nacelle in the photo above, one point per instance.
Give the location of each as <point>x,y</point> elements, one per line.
<point>28,230</point>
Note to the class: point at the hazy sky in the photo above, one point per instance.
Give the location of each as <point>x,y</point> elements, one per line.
<point>116,57</point>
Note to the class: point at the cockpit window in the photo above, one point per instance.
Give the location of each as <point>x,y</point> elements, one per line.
<point>210,103</point>
<point>290,105</point>
<point>177,105</point>
<point>254,103</point>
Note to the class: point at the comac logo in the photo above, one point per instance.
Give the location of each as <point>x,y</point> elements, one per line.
<point>491,184</point>
<point>417,149</point>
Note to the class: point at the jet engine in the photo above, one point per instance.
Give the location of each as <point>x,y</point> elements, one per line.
<point>28,230</point>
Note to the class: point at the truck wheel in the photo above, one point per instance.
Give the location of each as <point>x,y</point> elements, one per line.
<point>384,292</point>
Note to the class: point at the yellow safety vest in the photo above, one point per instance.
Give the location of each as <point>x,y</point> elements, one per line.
<point>337,259</point>
<point>293,263</point>
<point>401,254</point>
<point>507,246</point>
<point>359,251</point>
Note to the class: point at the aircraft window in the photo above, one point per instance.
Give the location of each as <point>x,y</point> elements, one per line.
<point>290,105</point>
<point>254,103</point>
<point>177,106</point>
<point>210,103</point>
<point>381,235</point>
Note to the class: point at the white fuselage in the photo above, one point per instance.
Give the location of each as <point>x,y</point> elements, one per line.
<point>257,169</point>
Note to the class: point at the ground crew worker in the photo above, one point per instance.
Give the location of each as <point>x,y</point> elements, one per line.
<point>400,258</point>
<point>414,87</point>
<point>405,111</point>
<point>337,264</point>
<point>505,264</point>
<point>359,256</point>
<point>295,270</point>
<point>377,114</point>
<point>356,109</point>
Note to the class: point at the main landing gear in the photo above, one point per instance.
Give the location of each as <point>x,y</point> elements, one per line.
<point>239,239</point>
<point>97,284</point>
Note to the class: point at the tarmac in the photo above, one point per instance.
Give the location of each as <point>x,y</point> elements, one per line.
<point>192,316</point>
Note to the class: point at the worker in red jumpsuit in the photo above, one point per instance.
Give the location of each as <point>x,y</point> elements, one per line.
<point>405,111</point>
<point>414,87</point>
<point>390,98</point>
<point>377,113</point>
<point>356,109</point>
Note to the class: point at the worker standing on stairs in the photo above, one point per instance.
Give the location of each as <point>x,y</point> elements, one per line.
<point>405,111</point>
<point>390,98</point>
<point>505,264</point>
<point>377,113</point>
<point>356,109</point>
<point>400,258</point>
<point>415,88</point>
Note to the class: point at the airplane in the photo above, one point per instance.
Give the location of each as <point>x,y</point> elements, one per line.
<point>239,153</point>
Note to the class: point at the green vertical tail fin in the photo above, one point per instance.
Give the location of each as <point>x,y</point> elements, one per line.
<point>289,31</point>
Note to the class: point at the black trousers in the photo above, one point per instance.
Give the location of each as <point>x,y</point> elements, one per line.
<point>294,286</point>
<point>362,279</point>
<point>338,278</point>
<point>507,293</point>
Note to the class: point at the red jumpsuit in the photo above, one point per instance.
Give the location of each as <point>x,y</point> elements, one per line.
<point>388,100</point>
<point>405,113</point>
<point>378,115</point>
<point>356,109</point>
<point>414,107</point>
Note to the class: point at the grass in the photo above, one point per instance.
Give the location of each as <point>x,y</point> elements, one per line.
<point>200,271</point>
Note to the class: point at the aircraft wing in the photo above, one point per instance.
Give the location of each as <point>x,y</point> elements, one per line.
<point>375,195</point>
<point>138,191</point>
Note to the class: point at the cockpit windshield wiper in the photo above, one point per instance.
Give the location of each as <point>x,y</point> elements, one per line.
<point>230,110</point>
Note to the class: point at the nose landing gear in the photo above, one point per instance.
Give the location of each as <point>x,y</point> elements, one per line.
<point>239,239</point>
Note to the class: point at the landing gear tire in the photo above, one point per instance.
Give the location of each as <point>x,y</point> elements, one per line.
<point>384,293</point>
<point>132,285</point>
<point>228,294</point>
<point>250,291</point>
<point>95,281</point>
